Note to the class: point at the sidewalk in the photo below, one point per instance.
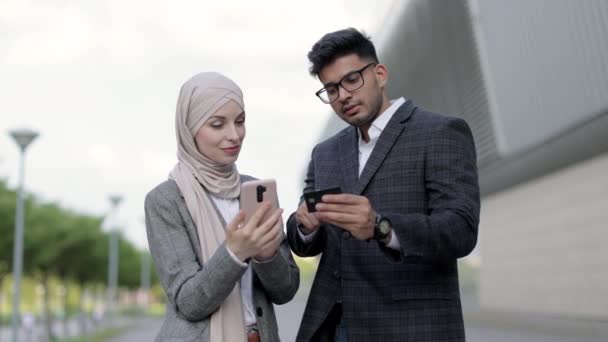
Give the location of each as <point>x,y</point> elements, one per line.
<point>37,331</point>
<point>288,317</point>
<point>574,329</point>
<point>481,326</point>
<point>142,330</point>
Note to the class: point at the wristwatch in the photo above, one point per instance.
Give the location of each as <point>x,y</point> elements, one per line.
<point>382,229</point>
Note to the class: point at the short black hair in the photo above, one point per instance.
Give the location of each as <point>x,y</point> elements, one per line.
<point>339,44</point>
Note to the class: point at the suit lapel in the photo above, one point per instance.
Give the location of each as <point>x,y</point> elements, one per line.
<point>385,142</point>
<point>349,159</point>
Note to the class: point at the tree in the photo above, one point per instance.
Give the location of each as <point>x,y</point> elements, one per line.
<point>90,268</point>
<point>44,242</point>
<point>130,265</point>
<point>62,243</point>
<point>7,228</point>
<point>76,260</point>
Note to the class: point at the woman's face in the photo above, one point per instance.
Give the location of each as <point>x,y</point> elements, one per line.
<point>221,136</point>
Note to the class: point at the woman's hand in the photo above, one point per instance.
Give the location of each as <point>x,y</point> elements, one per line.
<point>270,249</point>
<point>257,237</point>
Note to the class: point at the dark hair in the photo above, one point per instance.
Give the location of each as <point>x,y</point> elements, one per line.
<point>339,44</point>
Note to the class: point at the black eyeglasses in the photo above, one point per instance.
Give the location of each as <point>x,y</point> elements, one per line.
<point>350,82</point>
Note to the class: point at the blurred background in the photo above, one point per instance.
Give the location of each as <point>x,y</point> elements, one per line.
<point>95,84</point>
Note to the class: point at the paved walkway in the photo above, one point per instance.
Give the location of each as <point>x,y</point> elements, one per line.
<point>496,334</point>
<point>145,330</point>
<point>480,326</point>
<point>483,330</point>
<point>503,327</point>
<point>288,317</point>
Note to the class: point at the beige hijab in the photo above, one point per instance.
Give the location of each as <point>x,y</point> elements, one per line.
<point>199,98</point>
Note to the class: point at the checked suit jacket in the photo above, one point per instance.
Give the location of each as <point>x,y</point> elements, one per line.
<point>422,176</point>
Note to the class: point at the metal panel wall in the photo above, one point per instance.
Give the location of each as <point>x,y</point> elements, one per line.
<point>548,65</point>
<point>433,59</point>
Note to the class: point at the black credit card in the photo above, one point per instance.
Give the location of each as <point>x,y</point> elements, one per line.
<point>314,197</point>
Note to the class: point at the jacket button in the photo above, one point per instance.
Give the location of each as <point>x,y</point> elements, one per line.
<point>259,311</point>
<point>346,235</point>
<point>336,274</point>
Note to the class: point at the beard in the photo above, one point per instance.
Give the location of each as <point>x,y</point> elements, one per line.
<point>365,118</point>
<point>361,119</point>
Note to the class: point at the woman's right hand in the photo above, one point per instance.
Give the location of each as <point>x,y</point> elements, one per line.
<point>250,239</point>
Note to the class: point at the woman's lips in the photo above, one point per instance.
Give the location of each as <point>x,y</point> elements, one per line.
<point>231,150</point>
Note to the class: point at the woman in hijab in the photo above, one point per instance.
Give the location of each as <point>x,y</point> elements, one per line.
<point>220,274</point>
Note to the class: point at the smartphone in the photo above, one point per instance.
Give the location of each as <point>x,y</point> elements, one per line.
<point>314,197</point>
<point>254,192</point>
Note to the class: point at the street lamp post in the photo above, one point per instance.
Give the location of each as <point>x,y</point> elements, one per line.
<point>113,253</point>
<point>23,138</point>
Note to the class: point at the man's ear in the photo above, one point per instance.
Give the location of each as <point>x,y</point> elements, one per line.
<point>381,74</point>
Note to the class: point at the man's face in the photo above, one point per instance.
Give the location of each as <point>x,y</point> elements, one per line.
<point>359,107</point>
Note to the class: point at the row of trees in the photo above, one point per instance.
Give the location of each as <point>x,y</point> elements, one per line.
<point>62,244</point>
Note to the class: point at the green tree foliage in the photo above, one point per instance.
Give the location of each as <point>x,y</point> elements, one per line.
<point>129,269</point>
<point>62,243</point>
<point>7,228</point>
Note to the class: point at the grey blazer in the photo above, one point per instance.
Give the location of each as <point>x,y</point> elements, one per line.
<point>422,175</point>
<point>195,290</point>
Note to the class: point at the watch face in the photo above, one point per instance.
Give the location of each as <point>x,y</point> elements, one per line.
<point>384,226</point>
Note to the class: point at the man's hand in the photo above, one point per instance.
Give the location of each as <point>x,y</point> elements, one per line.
<point>349,212</point>
<point>307,222</point>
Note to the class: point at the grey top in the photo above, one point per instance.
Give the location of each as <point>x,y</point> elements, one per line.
<point>195,290</point>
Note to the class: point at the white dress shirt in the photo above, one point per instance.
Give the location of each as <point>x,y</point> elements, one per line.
<point>229,208</point>
<point>365,150</point>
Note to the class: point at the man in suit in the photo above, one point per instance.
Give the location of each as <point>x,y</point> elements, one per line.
<point>409,208</point>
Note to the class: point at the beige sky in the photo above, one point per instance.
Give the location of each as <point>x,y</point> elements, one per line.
<point>99,80</point>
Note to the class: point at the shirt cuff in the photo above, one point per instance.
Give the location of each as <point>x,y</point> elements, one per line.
<point>307,238</point>
<point>394,242</point>
<point>265,261</point>
<point>243,264</point>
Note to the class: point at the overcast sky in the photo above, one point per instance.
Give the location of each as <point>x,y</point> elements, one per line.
<point>100,79</point>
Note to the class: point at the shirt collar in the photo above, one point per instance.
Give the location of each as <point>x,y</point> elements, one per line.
<point>381,121</point>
